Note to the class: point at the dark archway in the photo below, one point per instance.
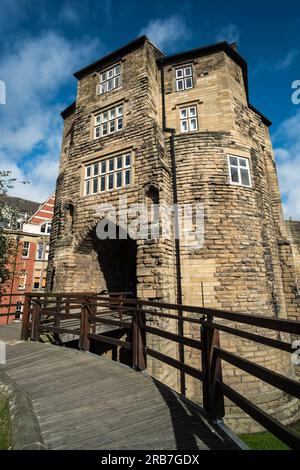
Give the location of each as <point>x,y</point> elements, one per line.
<point>117,261</point>
<point>106,264</point>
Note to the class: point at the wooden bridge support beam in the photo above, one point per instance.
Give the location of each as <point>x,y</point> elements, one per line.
<point>139,341</point>
<point>36,321</point>
<point>213,398</point>
<point>25,333</point>
<point>84,342</point>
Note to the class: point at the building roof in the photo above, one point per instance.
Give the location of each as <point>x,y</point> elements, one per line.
<point>23,205</point>
<point>206,50</point>
<point>69,110</point>
<point>115,55</point>
<point>41,214</point>
<point>164,60</point>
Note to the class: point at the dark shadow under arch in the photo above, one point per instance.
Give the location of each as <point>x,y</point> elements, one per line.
<point>116,260</point>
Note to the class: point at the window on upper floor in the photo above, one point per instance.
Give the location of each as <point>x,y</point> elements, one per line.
<point>46,228</point>
<point>26,248</point>
<point>184,78</point>
<point>108,174</point>
<point>40,251</point>
<point>239,171</point>
<point>37,279</point>
<point>109,79</point>
<point>44,279</point>
<point>188,119</point>
<point>22,280</point>
<point>108,121</point>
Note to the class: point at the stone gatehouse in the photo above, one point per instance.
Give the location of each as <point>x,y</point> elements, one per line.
<point>161,128</point>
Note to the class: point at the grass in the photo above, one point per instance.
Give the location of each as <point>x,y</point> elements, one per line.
<point>4,427</point>
<point>266,440</point>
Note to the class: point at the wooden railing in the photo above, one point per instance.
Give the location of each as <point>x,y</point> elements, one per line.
<point>11,306</point>
<point>48,313</point>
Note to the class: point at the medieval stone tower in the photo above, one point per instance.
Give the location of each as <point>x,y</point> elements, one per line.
<point>158,128</point>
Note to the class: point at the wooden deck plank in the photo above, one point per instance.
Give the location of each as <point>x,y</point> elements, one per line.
<point>125,409</point>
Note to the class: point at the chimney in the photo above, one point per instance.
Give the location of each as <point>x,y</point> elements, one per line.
<point>234,46</point>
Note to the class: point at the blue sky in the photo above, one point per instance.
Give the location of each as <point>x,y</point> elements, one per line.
<point>43,42</point>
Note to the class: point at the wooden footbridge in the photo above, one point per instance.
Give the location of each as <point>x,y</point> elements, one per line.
<point>85,401</point>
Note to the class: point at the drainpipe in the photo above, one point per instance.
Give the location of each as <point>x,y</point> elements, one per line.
<point>172,131</point>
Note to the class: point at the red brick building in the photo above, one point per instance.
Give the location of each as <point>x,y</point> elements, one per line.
<point>29,264</point>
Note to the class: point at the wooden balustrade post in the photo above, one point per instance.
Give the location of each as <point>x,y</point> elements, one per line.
<point>121,306</point>
<point>25,334</point>
<point>67,305</point>
<point>84,342</point>
<point>139,358</point>
<point>57,313</point>
<point>36,320</point>
<point>213,399</point>
<point>93,312</point>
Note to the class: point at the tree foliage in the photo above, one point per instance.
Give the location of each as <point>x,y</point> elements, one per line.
<point>8,214</point>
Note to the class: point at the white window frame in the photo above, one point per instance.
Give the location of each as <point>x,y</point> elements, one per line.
<point>34,277</point>
<point>183,75</point>
<point>110,79</point>
<point>239,167</point>
<point>27,250</point>
<point>188,118</point>
<point>38,251</point>
<point>108,119</point>
<point>23,276</point>
<point>108,170</point>
<point>47,229</point>
<point>47,252</point>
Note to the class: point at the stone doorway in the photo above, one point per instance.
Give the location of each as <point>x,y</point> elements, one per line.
<point>109,264</point>
<point>117,261</point>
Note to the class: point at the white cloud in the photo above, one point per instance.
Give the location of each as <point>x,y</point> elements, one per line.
<point>41,176</point>
<point>69,14</point>
<point>35,71</point>
<point>287,152</point>
<point>229,33</point>
<point>282,64</point>
<point>287,61</point>
<point>165,32</point>
<point>72,11</point>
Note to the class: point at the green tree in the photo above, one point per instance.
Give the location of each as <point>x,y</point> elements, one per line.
<point>8,219</point>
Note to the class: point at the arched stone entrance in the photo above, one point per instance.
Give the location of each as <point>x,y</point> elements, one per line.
<point>117,261</point>
<point>106,264</point>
